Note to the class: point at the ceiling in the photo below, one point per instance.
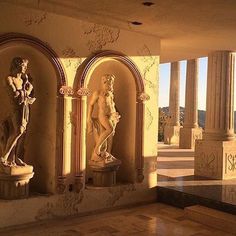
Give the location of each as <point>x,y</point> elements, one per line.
<point>187,28</point>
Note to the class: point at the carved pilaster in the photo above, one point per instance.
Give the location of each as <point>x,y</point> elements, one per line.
<point>80,151</point>
<point>139,159</point>
<point>60,142</point>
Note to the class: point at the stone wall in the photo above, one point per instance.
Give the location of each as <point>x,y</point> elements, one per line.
<point>74,41</point>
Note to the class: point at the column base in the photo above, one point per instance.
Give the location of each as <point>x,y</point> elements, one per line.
<point>188,136</point>
<point>215,159</point>
<point>14,181</point>
<point>171,134</point>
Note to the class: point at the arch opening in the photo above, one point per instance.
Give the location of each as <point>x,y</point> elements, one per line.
<point>127,144</point>
<point>42,138</point>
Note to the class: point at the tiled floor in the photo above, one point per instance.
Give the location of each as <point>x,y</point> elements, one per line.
<point>176,171</point>
<point>153,219</point>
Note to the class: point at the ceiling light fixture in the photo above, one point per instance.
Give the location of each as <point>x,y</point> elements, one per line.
<point>136,23</point>
<point>148,4</point>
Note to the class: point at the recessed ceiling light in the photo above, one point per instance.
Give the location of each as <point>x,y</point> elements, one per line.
<point>136,23</point>
<point>148,4</point>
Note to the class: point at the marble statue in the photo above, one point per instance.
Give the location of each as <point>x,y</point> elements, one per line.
<point>103,127</point>
<point>20,91</point>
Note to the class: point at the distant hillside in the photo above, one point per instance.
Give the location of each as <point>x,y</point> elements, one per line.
<point>201,115</point>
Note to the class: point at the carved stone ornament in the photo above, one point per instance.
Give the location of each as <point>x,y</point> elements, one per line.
<point>66,90</point>
<point>61,186</point>
<point>143,97</point>
<point>84,92</point>
<point>140,176</point>
<point>79,185</point>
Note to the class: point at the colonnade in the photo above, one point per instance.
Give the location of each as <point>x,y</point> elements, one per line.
<point>215,150</point>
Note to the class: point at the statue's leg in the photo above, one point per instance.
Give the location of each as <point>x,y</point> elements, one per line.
<point>110,138</point>
<point>104,135</point>
<point>13,144</point>
<point>110,142</point>
<point>19,149</point>
<point>96,129</point>
<point>19,152</point>
<point>15,134</point>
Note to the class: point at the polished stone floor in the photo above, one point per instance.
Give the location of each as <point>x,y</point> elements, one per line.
<point>176,172</point>
<point>148,220</point>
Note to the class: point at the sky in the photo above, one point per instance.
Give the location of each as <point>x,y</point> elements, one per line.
<point>164,84</point>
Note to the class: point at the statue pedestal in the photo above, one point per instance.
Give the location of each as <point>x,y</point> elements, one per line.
<point>104,175</point>
<point>14,181</point>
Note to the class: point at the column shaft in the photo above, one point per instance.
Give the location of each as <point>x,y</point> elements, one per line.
<point>174,94</point>
<point>220,96</point>
<point>190,131</point>
<point>171,130</point>
<point>191,109</point>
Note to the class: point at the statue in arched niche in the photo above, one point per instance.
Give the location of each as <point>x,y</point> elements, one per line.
<point>103,127</point>
<point>20,91</point>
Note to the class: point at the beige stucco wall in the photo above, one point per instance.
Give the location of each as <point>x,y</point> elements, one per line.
<point>73,41</point>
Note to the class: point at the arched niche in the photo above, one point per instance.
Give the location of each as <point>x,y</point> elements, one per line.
<point>44,138</point>
<point>127,144</point>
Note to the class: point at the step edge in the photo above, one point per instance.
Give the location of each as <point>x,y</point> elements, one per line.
<point>210,212</point>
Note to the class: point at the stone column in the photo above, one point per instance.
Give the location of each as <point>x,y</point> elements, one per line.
<point>190,131</point>
<point>171,130</point>
<point>215,155</point>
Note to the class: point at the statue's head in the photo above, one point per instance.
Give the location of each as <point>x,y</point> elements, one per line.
<point>108,82</point>
<point>18,65</point>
